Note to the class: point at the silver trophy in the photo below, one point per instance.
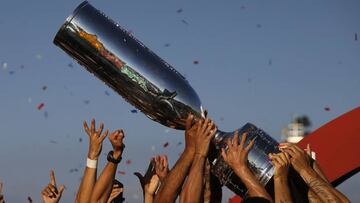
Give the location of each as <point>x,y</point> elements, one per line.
<point>153,86</point>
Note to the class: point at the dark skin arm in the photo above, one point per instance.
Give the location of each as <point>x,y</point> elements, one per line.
<point>236,158</point>
<point>95,146</point>
<point>149,182</point>
<point>1,195</point>
<point>104,184</point>
<point>173,182</point>
<point>301,162</point>
<point>193,187</point>
<point>281,164</point>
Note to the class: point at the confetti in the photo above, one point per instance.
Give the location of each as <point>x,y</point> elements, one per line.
<point>133,111</point>
<point>180,10</point>
<point>4,65</point>
<point>327,109</point>
<point>29,199</point>
<point>356,37</point>
<point>167,44</point>
<point>70,65</point>
<point>122,172</point>
<point>44,88</point>
<point>258,25</point>
<point>243,7</point>
<point>80,139</point>
<point>179,143</point>
<point>195,62</point>
<point>128,162</point>
<point>53,142</point>
<point>11,72</point>
<point>270,62</point>
<point>22,67</point>
<point>73,170</point>
<point>185,22</point>
<point>107,93</point>
<point>166,144</point>
<point>86,102</point>
<point>39,56</point>
<point>40,106</point>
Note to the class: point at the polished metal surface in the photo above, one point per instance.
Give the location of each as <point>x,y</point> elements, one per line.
<point>150,84</point>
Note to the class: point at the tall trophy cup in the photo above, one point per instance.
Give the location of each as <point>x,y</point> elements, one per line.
<point>153,86</point>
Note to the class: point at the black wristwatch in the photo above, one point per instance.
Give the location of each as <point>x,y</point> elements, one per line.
<point>110,158</point>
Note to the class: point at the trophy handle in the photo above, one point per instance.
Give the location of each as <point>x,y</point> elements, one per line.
<point>257,158</point>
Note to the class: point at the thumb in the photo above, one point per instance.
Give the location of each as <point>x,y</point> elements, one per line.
<point>61,189</point>
<point>141,177</point>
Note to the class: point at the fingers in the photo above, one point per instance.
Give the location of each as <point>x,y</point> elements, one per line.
<point>236,139</point>
<point>308,150</point>
<point>102,138</point>
<point>52,178</point>
<point>250,145</point>
<point>140,177</point>
<point>100,129</point>
<point>223,154</point>
<point>86,128</point>
<point>243,140</point>
<point>189,121</point>
<point>61,189</point>
<point>92,128</point>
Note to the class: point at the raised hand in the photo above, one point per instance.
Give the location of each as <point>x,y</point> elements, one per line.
<point>116,191</point>
<point>204,133</point>
<point>1,194</point>
<point>161,166</point>
<point>281,162</point>
<point>237,154</point>
<point>116,140</point>
<point>300,159</point>
<point>51,194</point>
<point>95,139</point>
<point>150,181</point>
<point>190,133</point>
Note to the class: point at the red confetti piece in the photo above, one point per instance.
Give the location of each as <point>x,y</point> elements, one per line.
<point>195,62</point>
<point>40,106</point>
<point>122,172</point>
<point>166,144</point>
<point>327,109</point>
<point>128,162</point>
<point>29,199</point>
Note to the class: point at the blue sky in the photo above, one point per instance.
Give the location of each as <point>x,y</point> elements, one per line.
<point>259,61</point>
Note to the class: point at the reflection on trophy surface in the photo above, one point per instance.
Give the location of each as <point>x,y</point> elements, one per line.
<point>152,85</point>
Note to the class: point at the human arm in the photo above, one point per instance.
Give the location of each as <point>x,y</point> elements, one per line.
<point>301,162</point>
<point>95,146</point>
<point>281,164</point>
<point>236,158</point>
<point>193,187</point>
<point>51,194</point>
<point>173,182</point>
<point>1,194</point>
<point>104,184</point>
<point>149,182</point>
